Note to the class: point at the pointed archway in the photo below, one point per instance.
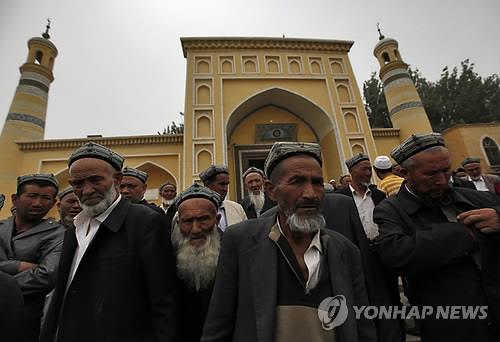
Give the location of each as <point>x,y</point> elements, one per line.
<point>279,110</point>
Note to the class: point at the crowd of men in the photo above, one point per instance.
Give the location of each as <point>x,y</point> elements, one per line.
<point>202,267</point>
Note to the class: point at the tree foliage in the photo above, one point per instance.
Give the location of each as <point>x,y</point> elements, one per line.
<point>173,129</point>
<point>459,96</point>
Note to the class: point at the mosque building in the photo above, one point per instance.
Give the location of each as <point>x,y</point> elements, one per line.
<point>242,95</point>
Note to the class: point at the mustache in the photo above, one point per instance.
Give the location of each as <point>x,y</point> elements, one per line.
<point>308,203</point>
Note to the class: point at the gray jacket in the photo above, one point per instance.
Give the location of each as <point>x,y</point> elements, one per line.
<point>40,245</point>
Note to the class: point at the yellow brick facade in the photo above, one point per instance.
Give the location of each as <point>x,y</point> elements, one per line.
<point>242,94</point>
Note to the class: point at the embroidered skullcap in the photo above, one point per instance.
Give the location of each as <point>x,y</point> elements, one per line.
<point>356,159</point>
<point>382,163</point>
<point>283,150</point>
<point>38,177</point>
<point>415,144</point>
<point>141,175</point>
<point>93,150</point>
<point>167,183</point>
<point>65,192</point>
<point>252,169</point>
<point>199,191</point>
<point>212,171</point>
<point>470,160</point>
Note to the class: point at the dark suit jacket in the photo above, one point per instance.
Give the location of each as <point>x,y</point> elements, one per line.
<point>377,195</point>
<point>439,259</point>
<point>342,216</point>
<point>250,208</point>
<point>462,183</point>
<point>124,287</point>
<point>244,300</point>
<point>11,312</point>
<point>152,206</point>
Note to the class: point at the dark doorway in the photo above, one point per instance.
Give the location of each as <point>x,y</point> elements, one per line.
<point>244,157</point>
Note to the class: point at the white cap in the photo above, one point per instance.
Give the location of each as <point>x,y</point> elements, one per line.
<point>382,163</point>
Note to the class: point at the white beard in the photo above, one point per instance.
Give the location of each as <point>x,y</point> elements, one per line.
<point>257,200</point>
<point>99,208</point>
<point>306,224</point>
<point>167,203</point>
<point>196,265</point>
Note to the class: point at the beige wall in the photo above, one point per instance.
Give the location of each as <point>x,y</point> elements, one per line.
<point>466,141</point>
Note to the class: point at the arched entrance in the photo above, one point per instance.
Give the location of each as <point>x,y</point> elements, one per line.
<point>266,117</point>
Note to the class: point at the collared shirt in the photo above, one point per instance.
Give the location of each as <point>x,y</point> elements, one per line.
<point>312,258</point>
<point>85,229</point>
<point>223,219</point>
<point>479,184</point>
<point>365,206</point>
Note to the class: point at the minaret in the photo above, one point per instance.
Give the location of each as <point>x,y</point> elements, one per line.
<point>405,107</point>
<point>26,117</point>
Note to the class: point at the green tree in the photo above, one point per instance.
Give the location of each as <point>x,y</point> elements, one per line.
<point>375,105</point>
<point>457,97</point>
<point>173,129</point>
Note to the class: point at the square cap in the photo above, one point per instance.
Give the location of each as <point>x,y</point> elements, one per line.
<point>93,150</point>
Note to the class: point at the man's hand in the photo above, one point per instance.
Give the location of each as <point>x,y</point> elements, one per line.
<point>486,220</point>
<point>25,266</point>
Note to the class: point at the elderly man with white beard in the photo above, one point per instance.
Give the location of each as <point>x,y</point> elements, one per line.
<point>116,278</point>
<point>276,272</point>
<point>196,240</point>
<point>256,202</point>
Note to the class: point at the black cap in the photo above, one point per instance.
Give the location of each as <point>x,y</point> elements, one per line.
<point>283,150</point>
<point>38,177</point>
<point>356,159</point>
<point>212,171</point>
<point>252,169</point>
<point>415,144</point>
<point>65,192</point>
<point>470,160</point>
<point>199,191</point>
<point>93,150</point>
<point>141,175</point>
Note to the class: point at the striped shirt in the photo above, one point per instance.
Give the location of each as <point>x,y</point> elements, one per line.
<point>390,185</point>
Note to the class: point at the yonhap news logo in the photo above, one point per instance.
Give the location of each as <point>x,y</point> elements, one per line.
<point>333,312</point>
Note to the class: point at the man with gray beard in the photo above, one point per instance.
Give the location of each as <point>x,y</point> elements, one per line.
<point>116,278</point>
<point>274,272</point>
<point>196,240</point>
<point>256,202</point>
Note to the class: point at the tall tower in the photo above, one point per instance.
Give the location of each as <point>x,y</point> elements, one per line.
<point>26,117</point>
<point>405,107</point>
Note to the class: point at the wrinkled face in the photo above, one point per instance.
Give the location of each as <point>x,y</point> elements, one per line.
<point>298,187</point>
<point>361,173</point>
<point>430,173</point>
<point>69,206</point>
<point>132,188</point>
<point>34,202</point>
<point>473,170</point>
<point>219,184</point>
<point>197,219</point>
<point>92,179</point>
<point>254,183</point>
<point>168,192</point>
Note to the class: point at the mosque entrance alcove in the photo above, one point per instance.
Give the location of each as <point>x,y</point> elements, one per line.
<point>272,115</point>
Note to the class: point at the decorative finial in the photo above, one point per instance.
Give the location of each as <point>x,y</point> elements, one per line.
<point>46,34</point>
<point>380,35</point>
